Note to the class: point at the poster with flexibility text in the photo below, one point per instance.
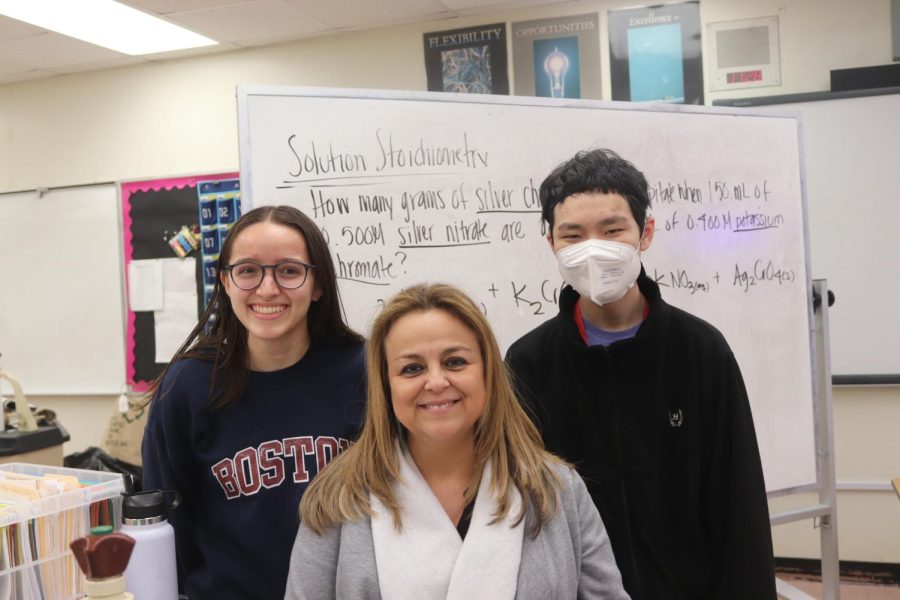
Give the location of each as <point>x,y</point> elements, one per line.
<point>468,61</point>
<point>557,58</point>
<point>656,54</point>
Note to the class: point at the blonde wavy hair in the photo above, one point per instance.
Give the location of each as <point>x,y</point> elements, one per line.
<point>503,434</point>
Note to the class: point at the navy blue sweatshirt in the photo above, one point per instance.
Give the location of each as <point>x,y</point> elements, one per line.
<point>241,470</point>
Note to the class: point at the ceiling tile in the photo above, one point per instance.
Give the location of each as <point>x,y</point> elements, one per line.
<point>28,52</point>
<point>175,54</point>
<point>51,50</point>
<point>8,67</point>
<point>122,61</point>
<point>164,7</point>
<point>12,28</point>
<point>251,21</point>
<point>25,76</point>
<point>372,13</point>
<point>476,6</point>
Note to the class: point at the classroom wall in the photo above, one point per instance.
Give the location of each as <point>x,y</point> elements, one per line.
<point>178,117</point>
<point>867,449</point>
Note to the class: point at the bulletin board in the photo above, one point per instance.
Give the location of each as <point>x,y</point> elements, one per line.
<point>153,213</point>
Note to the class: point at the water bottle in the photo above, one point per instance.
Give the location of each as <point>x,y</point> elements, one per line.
<point>151,572</point>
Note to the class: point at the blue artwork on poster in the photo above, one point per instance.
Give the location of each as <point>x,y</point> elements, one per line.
<point>656,70</point>
<point>557,69</point>
<point>467,70</point>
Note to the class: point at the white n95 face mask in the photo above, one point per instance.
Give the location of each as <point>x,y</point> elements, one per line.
<point>601,270</point>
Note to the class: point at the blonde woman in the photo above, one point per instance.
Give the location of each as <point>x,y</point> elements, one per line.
<point>448,493</point>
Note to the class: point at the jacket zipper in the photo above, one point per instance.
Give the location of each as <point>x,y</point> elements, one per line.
<point>620,464</point>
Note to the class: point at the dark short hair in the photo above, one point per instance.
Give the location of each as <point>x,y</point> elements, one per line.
<point>598,170</point>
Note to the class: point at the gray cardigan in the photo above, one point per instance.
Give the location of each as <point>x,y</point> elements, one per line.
<point>570,558</point>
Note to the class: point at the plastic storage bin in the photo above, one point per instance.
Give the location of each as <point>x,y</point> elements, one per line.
<point>35,560</point>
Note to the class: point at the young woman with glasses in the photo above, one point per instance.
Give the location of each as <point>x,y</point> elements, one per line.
<point>267,388</point>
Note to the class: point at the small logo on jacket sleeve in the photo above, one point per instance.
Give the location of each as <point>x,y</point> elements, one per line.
<point>676,418</point>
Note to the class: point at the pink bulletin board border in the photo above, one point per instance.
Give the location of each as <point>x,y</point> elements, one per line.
<point>126,189</point>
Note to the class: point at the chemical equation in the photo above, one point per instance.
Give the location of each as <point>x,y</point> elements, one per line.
<point>760,274</point>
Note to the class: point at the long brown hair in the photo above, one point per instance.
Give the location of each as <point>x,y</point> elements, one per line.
<point>503,433</point>
<point>220,337</point>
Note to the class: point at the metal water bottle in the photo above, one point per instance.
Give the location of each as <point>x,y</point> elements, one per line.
<point>151,572</point>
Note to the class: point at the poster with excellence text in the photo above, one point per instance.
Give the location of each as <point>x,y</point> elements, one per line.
<point>655,54</point>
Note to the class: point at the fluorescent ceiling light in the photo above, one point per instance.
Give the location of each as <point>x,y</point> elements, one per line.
<point>105,23</point>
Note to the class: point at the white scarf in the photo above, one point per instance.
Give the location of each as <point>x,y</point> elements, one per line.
<point>429,561</point>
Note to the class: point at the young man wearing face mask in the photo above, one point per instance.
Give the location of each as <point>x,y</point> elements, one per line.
<point>646,400</point>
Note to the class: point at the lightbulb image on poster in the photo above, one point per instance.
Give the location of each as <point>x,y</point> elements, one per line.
<point>557,68</point>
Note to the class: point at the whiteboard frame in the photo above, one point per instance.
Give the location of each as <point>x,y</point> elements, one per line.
<point>826,508</point>
<point>244,92</point>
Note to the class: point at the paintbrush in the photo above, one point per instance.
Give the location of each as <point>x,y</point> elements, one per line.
<point>103,557</point>
<point>103,554</point>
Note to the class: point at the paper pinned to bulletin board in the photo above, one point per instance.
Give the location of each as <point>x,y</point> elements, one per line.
<point>164,238</point>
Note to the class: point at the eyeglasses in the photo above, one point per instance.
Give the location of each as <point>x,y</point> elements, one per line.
<point>289,274</point>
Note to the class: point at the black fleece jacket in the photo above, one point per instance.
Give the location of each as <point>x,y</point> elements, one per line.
<point>659,426</point>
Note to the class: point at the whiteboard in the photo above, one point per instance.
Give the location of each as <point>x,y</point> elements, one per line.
<point>852,150</point>
<point>61,305</point>
<point>414,186</point>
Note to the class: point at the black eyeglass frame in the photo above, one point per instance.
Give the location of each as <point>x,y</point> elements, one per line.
<point>306,269</point>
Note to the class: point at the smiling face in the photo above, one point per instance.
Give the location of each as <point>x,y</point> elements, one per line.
<point>275,318</point>
<point>436,378</point>
<point>597,216</point>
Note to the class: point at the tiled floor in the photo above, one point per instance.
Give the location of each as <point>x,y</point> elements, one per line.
<point>849,591</point>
